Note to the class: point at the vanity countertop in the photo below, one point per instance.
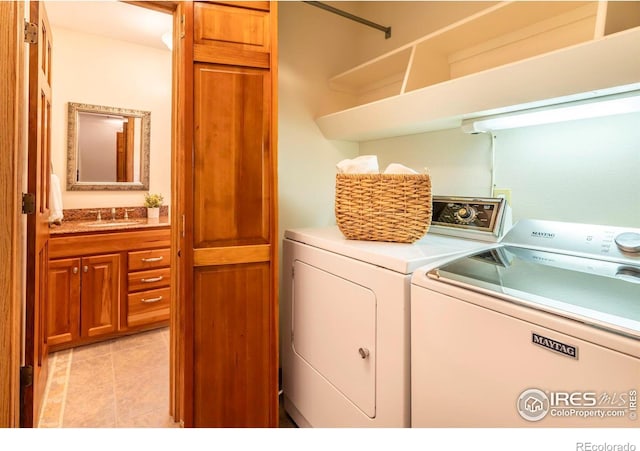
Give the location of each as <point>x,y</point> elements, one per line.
<point>87,226</point>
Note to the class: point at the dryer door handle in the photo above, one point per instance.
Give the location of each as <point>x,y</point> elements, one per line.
<point>364,352</point>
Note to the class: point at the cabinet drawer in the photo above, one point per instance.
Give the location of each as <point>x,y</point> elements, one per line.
<point>146,280</point>
<point>154,258</point>
<point>148,307</point>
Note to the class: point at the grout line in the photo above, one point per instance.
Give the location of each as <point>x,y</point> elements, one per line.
<point>67,378</point>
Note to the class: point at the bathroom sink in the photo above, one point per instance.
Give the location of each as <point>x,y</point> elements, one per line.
<point>110,223</point>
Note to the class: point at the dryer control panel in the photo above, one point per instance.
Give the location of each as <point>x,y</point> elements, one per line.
<point>485,219</point>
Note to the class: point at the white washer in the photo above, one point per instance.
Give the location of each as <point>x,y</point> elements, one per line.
<point>345,314</point>
<point>543,330</point>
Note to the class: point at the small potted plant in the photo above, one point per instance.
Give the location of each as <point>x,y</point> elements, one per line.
<point>153,202</point>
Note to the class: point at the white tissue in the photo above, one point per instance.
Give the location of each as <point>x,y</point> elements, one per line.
<point>55,200</point>
<point>364,164</point>
<point>396,168</point>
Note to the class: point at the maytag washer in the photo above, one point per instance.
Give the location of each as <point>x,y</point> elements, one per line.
<point>543,330</point>
<point>345,314</point>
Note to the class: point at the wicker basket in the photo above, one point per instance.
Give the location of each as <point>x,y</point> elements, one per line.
<point>383,207</point>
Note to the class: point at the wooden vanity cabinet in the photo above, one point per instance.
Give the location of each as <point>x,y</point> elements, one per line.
<point>83,298</point>
<point>105,285</point>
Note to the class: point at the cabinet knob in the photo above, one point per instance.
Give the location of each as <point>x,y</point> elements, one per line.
<point>364,352</point>
<point>85,268</point>
<point>75,270</point>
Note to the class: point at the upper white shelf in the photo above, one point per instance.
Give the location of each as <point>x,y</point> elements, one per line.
<point>510,54</point>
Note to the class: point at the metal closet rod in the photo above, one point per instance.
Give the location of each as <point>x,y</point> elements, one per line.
<point>331,9</point>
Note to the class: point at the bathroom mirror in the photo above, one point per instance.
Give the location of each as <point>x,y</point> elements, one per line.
<point>107,148</point>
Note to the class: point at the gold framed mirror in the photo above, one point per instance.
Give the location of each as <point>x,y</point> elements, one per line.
<point>107,148</point>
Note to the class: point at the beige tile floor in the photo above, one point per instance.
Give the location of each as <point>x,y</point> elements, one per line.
<point>117,383</point>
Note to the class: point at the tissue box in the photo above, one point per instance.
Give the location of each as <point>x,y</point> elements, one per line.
<point>383,207</point>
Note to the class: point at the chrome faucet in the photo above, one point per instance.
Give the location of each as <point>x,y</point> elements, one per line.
<point>126,212</point>
<point>99,218</point>
<point>113,213</point>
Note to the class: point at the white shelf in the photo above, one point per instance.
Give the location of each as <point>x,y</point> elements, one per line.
<point>438,77</point>
<point>579,71</point>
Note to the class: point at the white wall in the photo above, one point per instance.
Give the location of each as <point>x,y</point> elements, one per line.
<point>581,171</point>
<point>101,71</point>
<point>313,45</point>
<point>409,20</point>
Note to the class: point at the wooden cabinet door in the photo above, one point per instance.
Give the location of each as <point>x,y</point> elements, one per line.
<point>63,302</point>
<point>226,197</point>
<point>232,35</point>
<point>100,294</point>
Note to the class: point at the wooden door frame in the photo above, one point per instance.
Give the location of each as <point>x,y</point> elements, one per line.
<point>12,238</point>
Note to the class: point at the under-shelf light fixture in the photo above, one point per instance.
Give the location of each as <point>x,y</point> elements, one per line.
<point>628,102</point>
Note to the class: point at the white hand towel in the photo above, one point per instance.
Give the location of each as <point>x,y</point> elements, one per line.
<point>55,201</point>
<point>395,168</point>
<point>364,164</point>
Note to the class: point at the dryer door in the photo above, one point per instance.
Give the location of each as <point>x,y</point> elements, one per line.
<point>334,330</point>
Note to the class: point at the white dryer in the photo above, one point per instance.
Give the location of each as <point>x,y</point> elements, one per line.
<point>345,314</point>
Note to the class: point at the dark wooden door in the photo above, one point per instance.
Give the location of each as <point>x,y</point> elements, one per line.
<point>227,194</point>
<point>39,162</point>
<point>124,151</point>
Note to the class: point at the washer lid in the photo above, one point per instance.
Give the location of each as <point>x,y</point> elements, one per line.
<point>400,257</point>
<point>597,292</point>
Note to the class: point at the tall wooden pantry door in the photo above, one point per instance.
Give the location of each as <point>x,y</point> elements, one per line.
<point>39,161</point>
<point>226,201</point>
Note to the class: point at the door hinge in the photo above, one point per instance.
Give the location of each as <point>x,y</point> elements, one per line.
<point>26,376</point>
<point>28,203</point>
<point>30,32</point>
<point>182,23</point>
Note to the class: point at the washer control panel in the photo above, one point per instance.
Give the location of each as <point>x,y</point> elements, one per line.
<point>597,241</point>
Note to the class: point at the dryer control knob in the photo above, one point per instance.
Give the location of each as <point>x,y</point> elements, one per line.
<point>628,242</point>
<point>364,352</point>
<point>465,214</point>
